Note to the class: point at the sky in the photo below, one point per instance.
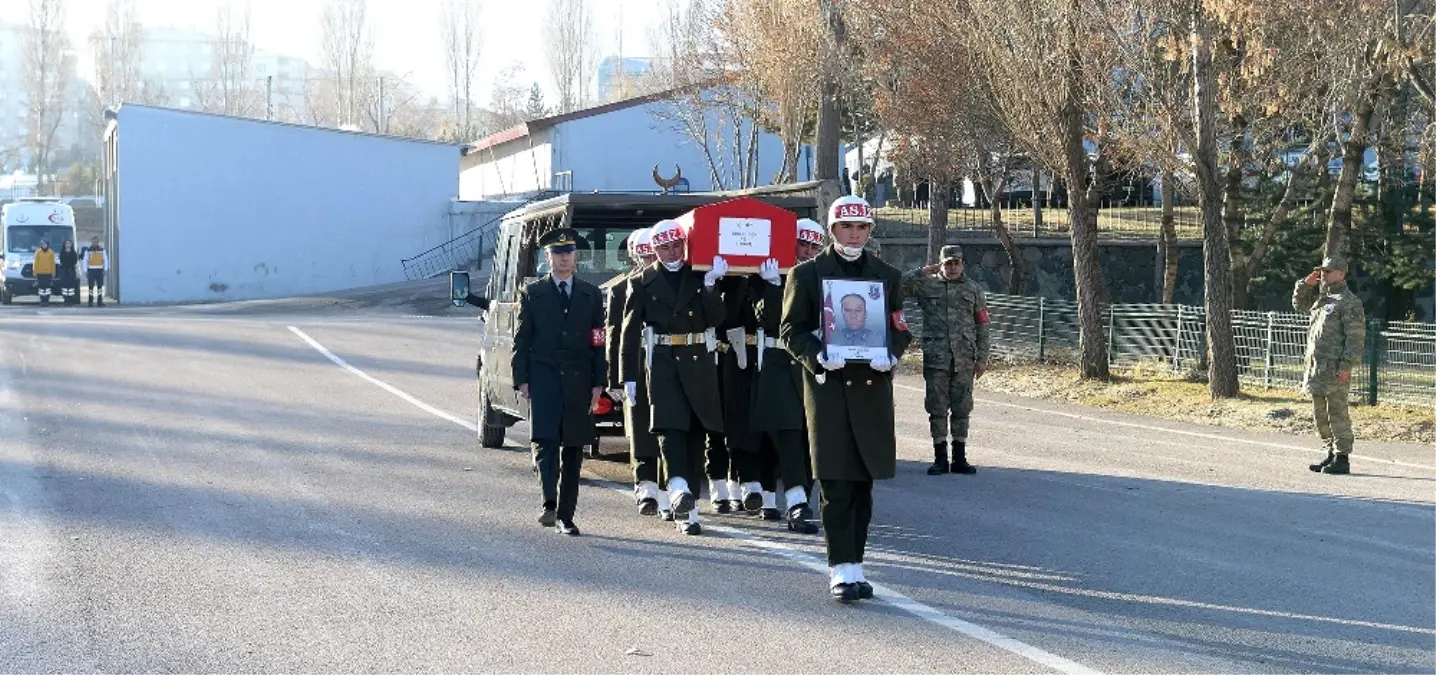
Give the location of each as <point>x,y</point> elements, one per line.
<point>407,37</point>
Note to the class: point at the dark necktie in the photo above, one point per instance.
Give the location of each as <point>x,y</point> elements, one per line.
<point>563,298</point>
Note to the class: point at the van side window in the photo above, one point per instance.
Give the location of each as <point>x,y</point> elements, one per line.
<point>509,291</point>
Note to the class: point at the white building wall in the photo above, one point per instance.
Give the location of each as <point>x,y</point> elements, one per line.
<point>617,151</point>
<point>217,208</point>
<point>519,166</point>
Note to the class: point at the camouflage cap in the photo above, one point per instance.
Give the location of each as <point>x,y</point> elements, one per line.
<point>1334,262</point>
<point>950,252</point>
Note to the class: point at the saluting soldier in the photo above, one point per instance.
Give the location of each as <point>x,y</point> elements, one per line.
<point>558,367</point>
<point>849,406</point>
<point>673,310</point>
<point>955,345</point>
<point>777,404</point>
<point>1335,340</point>
<point>642,445</point>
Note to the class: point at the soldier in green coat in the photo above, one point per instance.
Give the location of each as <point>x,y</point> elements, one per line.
<point>955,345</point>
<point>642,445</point>
<point>849,405</point>
<point>777,405</point>
<point>1336,336</point>
<point>669,323</point>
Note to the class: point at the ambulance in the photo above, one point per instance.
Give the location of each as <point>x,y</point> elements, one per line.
<point>23,224</point>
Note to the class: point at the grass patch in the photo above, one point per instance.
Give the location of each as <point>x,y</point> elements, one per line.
<point>1154,391</point>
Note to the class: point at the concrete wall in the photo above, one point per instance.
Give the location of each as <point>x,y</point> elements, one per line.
<point>617,151</point>
<point>218,208</point>
<point>515,167</point>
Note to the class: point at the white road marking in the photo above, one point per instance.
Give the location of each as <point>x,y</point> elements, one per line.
<point>1151,427</point>
<point>384,385</point>
<point>884,593</point>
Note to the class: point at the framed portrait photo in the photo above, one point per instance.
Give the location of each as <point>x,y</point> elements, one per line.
<point>854,319</point>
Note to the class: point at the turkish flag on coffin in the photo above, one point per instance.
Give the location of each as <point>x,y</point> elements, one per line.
<point>744,231</point>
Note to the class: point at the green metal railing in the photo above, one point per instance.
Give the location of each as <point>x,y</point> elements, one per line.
<point>1399,364</point>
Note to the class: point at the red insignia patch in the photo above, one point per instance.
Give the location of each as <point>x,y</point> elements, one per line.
<point>596,338</point>
<point>982,316</point>
<point>899,321</point>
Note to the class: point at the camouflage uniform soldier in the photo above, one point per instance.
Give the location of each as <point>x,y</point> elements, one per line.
<point>1335,338</point>
<point>955,344</point>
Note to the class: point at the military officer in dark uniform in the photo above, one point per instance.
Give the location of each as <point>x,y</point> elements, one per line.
<point>642,444</point>
<point>735,480</point>
<point>558,366</point>
<point>673,310</point>
<point>849,406</point>
<point>777,403</point>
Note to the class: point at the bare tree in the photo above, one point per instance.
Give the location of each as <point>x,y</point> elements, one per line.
<point>570,51</point>
<point>118,49</point>
<point>507,100</point>
<point>461,56</point>
<point>229,88</point>
<point>49,64</point>
<point>347,42</point>
<point>775,47</point>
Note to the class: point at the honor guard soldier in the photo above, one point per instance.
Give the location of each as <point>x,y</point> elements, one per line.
<point>734,470</point>
<point>955,345</point>
<point>642,445</point>
<point>97,262</point>
<point>672,311</point>
<point>777,404</point>
<point>44,267</point>
<point>849,405</point>
<point>1335,340</point>
<point>558,367</point>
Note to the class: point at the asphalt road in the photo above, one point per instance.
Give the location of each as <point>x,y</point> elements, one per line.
<point>202,489</point>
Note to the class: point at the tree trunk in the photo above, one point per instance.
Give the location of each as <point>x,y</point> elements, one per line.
<point>1169,237</point>
<point>1221,347</point>
<point>1016,266</point>
<point>937,222</point>
<point>828,121</point>
<point>1232,215</point>
<point>1353,155</point>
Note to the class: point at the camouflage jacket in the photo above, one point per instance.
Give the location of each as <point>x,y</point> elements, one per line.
<point>954,320</point>
<point>1336,333</point>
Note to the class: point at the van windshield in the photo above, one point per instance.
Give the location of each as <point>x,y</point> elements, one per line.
<point>26,238</point>
<point>601,253</point>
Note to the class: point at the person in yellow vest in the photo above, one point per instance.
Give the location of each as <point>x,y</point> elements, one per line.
<point>44,268</point>
<point>97,262</point>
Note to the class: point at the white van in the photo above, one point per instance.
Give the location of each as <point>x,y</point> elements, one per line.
<point>22,225</point>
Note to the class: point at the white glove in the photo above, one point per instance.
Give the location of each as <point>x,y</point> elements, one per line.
<point>882,363</point>
<point>836,364</point>
<point>617,395</point>
<point>769,271</point>
<point>630,392</point>
<point>720,268</point>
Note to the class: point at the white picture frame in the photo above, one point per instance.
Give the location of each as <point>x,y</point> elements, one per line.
<point>853,330</point>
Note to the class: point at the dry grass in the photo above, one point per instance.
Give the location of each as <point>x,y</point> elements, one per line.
<point>1156,392</point>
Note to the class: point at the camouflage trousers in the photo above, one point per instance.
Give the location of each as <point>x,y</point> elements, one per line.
<point>949,395</point>
<point>1333,418</point>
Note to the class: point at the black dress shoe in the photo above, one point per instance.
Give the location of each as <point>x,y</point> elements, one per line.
<point>844,593</point>
<point>865,590</point>
<point>772,514</point>
<point>648,506</point>
<point>736,505</point>
<point>800,520</point>
<point>722,506</point>
<point>567,527</point>
<point>548,517</point>
<point>667,515</point>
<point>683,504</point>
<point>752,502</point>
<point>692,529</point>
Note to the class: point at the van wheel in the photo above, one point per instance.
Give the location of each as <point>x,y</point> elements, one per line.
<point>490,434</point>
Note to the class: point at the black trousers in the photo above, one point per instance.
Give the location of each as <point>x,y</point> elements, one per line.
<point>847,512</point>
<point>784,455</point>
<point>44,286</point>
<point>683,455</point>
<point>719,458</point>
<point>645,469</point>
<point>558,476</point>
<point>96,278</point>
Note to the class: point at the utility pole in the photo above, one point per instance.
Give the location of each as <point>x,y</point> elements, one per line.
<point>268,97</point>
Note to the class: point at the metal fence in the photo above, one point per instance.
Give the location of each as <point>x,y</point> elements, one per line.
<point>1399,363</point>
<point>1115,220</point>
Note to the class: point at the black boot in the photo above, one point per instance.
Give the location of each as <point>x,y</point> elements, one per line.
<point>1339,465</point>
<point>939,459</point>
<point>959,459</point>
<point>800,520</point>
<point>1330,455</point>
